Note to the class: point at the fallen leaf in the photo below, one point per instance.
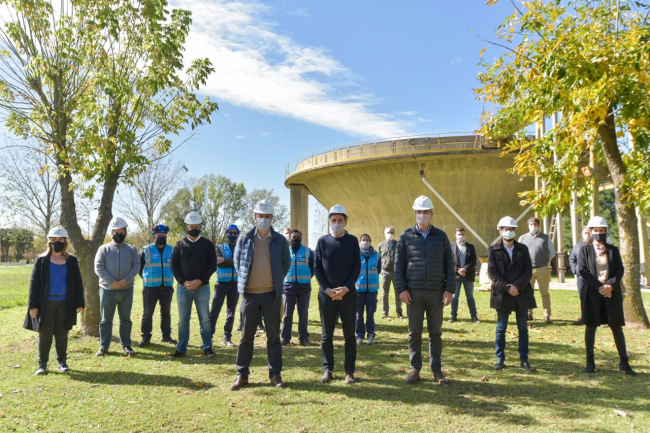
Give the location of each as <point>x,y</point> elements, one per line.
<point>15,366</point>
<point>134,402</point>
<point>15,391</point>
<point>270,418</point>
<point>561,403</point>
<point>94,385</point>
<point>485,379</point>
<point>622,413</point>
<point>199,385</point>
<point>232,404</point>
<point>475,360</point>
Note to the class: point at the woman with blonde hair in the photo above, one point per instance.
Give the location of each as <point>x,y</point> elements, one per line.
<point>55,297</point>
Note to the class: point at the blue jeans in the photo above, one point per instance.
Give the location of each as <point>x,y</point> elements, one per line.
<point>502,326</point>
<point>469,293</point>
<point>184,299</point>
<point>290,302</point>
<point>109,300</point>
<point>366,303</point>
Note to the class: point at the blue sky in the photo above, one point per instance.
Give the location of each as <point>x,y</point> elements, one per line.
<point>294,76</point>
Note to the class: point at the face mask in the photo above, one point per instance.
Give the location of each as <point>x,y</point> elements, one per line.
<point>534,229</point>
<point>390,236</point>
<point>365,245</point>
<point>58,246</point>
<point>599,237</point>
<point>460,238</point>
<point>119,238</point>
<point>337,228</point>
<point>423,218</point>
<point>586,237</point>
<point>508,235</point>
<point>194,232</point>
<point>263,223</point>
<point>161,241</point>
<point>296,242</point>
<point>232,239</point>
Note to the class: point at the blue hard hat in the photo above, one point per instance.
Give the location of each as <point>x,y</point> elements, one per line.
<point>232,227</point>
<point>160,228</point>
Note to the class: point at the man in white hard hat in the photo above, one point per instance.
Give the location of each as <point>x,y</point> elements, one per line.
<point>424,277</point>
<point>540,248</point>
<point>116,264</point>
<point>194,260</point>
<point>337,264</point>
<point>262,259</point>
<point>510,268</point>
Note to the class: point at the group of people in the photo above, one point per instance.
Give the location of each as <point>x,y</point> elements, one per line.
<point>272,272</point>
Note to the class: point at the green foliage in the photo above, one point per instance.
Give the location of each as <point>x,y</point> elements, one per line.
<point>18,240</point>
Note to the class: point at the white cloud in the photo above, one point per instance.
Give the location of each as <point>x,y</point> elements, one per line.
<point>239,137</point>
<point>455,61</point>
<point>258,68</point>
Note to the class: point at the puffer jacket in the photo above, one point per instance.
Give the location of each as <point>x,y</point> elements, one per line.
<point>280,260</point>
<point>424,264</point>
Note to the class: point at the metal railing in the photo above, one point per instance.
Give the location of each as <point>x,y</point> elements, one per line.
<point>395,146</point>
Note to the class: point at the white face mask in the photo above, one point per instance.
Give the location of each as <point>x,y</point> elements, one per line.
<point>263,223</point>
<point>534,229</point>
<point>365,245</point>
<point>389,236</point>
<point>423,218</point>
<point>586,237</point>
<point>337,228</point>
<point>508,235</point>
<point>460,238</point>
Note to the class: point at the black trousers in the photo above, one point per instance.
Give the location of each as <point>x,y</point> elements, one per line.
<point>52,326</point>
<point>329,310</point>
<point>619,339</point>
<point>224,292</point>
<point>150,297</point>
<point>251,307</point>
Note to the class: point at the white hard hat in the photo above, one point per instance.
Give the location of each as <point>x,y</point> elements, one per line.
<point>338,209</point>
<point>117,223</point>
<point>193,218</point>
<point>423,203</point>
<point>57,232</point>
<point>507,222</point>
<point>597,221</point>
<point>264,207</point>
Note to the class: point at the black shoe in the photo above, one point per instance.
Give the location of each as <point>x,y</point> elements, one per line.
<point>401,316</point>
<point>177,355</point>
<point>63,367</point>
<point>500,365</point>
<point>475,320</point>
<point>526,366</point>
<point>625,366</point>
<point>41,370</point>
<point>530,316</point>
<point>286,342</point>
<point>209,353</point>
<point>128,350</point>
<point>452,320</point>
<point>239,328</point>
<point>168,339</point>
<point>591,366</point>
<point>102,351</point>
<point>145,342</point>
<point>307,343</point>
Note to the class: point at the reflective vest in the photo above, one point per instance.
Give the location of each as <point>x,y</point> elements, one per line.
<point>369,277</point>
<point>226,275</point>
<point>299,271</point>
<point>157,268</point>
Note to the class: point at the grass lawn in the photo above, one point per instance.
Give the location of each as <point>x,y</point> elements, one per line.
<point>148,392</point>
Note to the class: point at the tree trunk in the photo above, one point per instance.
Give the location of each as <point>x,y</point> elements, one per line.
<point>627,226</point>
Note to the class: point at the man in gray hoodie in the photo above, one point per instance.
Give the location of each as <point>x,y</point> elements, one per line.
<point>116,264</point>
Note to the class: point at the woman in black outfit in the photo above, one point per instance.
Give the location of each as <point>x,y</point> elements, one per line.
<point>601,268</point>
<point>55,297</point>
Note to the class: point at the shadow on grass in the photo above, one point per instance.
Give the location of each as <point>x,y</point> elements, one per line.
<point>132,378</point>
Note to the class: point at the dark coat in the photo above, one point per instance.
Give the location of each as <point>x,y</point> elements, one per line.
<point>424,264</point>
<point>470,261</point>
<point>40,286</point>
<point>503,271</point>
<point>597,309</point>
<point>573,263</point>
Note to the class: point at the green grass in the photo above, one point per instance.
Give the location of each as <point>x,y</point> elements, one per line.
<point>148,392</point>
<point>14,285</point>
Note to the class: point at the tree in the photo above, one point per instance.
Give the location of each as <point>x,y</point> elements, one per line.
<point>30,188</point>
<point>320,224</point>
<point>147,200</point>
<point>22,241</point>
<point>98,82</point>
<point>217,199</point>
<point>280,217</point>
<point>5,243</point>
<point>589,62</point>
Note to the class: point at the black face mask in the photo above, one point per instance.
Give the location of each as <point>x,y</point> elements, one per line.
<point>194,232</point>
<point>119,238</point>
<point>599,237</point>
<point>295,244</point>
<point>232,239</point>
<point>161,241</point>
<point>58,246</point>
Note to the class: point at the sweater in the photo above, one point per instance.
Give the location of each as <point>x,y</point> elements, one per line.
<point>337,262</point>
<point>540,248</point>
<point>115,262</point>
<point>387,255</point>
<point>194,260</point>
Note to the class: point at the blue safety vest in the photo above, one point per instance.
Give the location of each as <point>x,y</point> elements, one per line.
<point>157,269</point>
<point>299,272</point>
<point>226,275</point>
<point>368,278</point>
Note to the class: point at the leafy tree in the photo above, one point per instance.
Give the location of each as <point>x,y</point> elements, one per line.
<point>6,240</point>
<point>22,241</point>
<point>101,84</point>
<point>588,61</point>
<point>280,217</point>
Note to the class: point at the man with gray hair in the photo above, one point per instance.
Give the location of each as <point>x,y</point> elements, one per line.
<point>540,248</point>
<point>387,251</point>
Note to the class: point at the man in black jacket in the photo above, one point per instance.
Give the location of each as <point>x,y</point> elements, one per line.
<point>424,277</point>
<point>510,269</point>
<point>464,256</point>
